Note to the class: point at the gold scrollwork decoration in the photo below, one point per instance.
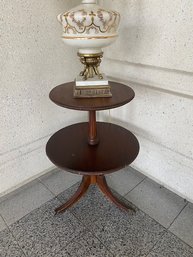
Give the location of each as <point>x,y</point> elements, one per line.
<point>75,25</point>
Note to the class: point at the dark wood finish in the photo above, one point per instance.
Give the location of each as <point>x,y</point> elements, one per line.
<point>69,149</point>
<point>85,183</point>
<point>62,95</point>
<point>92,149</point>
<point>92,137</point>
<point>102,184</point>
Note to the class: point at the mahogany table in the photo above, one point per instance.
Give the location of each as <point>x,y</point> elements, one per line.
<point>92,149</point>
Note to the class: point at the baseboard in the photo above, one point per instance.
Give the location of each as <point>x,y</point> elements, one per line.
<point>171,81</point>
<point>161,158</point>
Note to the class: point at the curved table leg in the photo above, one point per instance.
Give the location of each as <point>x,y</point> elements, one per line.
<point>102,183</point>
<point>85,183</point>
<point>79,193</point>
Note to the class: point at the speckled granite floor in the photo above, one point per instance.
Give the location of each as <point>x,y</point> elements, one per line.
<point>92,228</point>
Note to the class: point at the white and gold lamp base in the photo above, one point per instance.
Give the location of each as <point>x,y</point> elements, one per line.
<point>90,28</point>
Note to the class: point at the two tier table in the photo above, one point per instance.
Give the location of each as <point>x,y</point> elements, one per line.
<point>92,149</point>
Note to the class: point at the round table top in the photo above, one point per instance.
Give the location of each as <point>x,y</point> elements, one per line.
<point>62,95</point>
<point>69,149</point>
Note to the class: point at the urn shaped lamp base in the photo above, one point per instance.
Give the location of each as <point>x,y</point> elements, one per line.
<point>90,28</point>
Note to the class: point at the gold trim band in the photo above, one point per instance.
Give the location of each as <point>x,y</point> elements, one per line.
<point>89,38</point>
<point>90,55</point>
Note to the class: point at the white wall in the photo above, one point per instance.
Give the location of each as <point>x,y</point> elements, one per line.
<point>33,60</point>
<point>154,55</point>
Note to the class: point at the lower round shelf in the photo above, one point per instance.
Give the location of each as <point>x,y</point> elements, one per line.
<point>69,149</point>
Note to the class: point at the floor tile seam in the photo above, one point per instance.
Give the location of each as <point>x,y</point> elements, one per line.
<point>135,186</point>
<point>161,186</point>
<point>160,238</point>
<point>30,212</point>
<point>149,216</point>
<point>106,247</point>
<point>17,242</point>
<point>89,229</point>
<point>153,217</point>
<point>85,206</point>
<point>86,229</point>
<point>6,225</point>
<point>54,195</point>
<point>177,235</point>
<point>36,207</point>
<point>68,189</point>
<point>168,231</point>
<point>147,253</point>
<point>177,216</point>
<point>65,200</point>
<point>86,226</point>
<point>57,195</point>
<point>72,212</point>
<point>138,209</point>
<point>26,186</point>
<point>73,239</point>
<point>180,239</point>
<point>58,250</point>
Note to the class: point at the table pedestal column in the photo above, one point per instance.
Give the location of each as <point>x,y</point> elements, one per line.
<point>92,137</point>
